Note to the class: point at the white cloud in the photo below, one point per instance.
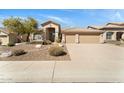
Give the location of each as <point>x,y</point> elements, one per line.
<point>66,21</point>
<point>63,20</point>
<point>117,16</point>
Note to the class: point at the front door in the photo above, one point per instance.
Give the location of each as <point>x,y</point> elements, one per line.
<point>51,34</point>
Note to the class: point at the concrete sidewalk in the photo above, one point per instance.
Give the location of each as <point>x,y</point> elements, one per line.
<point>89,63</point>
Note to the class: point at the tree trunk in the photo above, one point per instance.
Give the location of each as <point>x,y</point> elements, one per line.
<point>28,40</point>
<point>18,40</point>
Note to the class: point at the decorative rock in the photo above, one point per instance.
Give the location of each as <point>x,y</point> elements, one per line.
<point>0,52</point>
<point>61,45</point>
<point>38,46</point>
<point>20,43</point>
<point>6,54</point>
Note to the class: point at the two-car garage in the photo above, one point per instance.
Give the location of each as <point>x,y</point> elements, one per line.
<point>81,36</point>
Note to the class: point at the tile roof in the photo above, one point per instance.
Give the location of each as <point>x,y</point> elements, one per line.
<point>81,31</point>
<point>48,22</point>
<point>116,25</point>
<point>4,30</point>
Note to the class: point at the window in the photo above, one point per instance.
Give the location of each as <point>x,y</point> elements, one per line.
<point>38,37</point>
<point>109,35</point>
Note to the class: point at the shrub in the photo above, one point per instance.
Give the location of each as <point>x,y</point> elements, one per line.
<point>11,44</point>
<point>58,40</point>
<point>46,42</point>
<point>56,51</point>
<point>18,52</point>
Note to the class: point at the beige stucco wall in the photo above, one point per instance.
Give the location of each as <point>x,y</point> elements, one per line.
<point>89,38</point>
<point>4,40</point>
<point>11,38</point>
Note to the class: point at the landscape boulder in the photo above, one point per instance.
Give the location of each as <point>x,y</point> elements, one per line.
<point>38,46</point>
<point>6,53</point>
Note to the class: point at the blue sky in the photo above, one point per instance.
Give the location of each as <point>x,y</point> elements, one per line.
<point>67,17</point>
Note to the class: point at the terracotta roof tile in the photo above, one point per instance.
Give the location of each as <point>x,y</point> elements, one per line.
<point>81,31</point>
<point>47,22</point>
<point>4,30</point>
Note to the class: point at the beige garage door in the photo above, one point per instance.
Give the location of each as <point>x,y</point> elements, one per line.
<point>70,38</point>
<point>89,38</point>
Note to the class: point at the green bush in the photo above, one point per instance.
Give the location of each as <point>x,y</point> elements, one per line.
<point>56,51</point>
<point>18,52</point>
<point>11,44</point>
<point>46,42</point>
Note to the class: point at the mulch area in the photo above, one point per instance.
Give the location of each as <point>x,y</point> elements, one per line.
<point>34,54</point>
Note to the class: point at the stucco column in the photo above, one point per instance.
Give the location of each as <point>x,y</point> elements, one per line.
<point>63,38</point>
<point>45,34</point>
<point>104,36</point>
<point>56,34</point>
<point>77,38</point>
<point>114,36</point>
<point>101,38</point>
<point>31,37</point>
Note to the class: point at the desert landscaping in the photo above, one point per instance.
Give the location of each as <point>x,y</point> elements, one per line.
<point>33,53</point>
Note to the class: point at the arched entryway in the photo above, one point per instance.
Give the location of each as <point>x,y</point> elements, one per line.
<point>50,34</point>
<point>119,36</point>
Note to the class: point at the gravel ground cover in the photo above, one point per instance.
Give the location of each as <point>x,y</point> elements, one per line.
<point>33,54</point>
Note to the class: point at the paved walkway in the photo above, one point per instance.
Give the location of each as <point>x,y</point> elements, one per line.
<point>89,63</point>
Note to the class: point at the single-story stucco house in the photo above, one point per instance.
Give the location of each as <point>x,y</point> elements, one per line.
<point>52,31</point>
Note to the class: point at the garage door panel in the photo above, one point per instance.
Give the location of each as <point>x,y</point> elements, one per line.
<point>70,38</point>
<point>89,38</point>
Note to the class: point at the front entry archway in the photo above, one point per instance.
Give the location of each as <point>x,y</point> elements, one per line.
<point>50,34</point>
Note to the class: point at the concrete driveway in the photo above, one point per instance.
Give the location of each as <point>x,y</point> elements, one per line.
<point>89,63</point>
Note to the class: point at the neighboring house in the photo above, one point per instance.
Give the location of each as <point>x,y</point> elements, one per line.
<point>6,37</point>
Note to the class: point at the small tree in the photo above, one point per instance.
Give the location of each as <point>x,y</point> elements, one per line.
<point>21,26</point>
<point>14,25</point>
<point>30,26</point>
